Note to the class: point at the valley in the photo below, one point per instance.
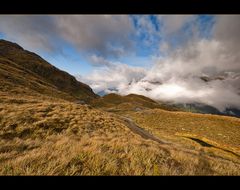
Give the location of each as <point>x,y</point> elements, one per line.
<point>52,124</point>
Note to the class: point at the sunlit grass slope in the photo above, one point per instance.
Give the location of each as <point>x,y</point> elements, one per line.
<point>45,129</point>
<point>132,102</point>
<point>62,138</point>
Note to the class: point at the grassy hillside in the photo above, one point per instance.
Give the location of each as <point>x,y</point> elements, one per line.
<point>45,131</point>
<point>132,102</point>
<point>62,138</point>
<point>21,69</point>
<point>193,130</point>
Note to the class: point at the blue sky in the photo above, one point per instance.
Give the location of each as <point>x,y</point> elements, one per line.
<point>146,34</point>
<point>158,56</point>
<point>68,60</point>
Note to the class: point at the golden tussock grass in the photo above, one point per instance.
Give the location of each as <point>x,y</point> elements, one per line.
<point>45,129</point>
<point>40,137</point>
<point>218,133</point>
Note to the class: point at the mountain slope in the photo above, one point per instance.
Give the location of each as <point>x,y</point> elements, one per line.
<point>45,131</point>
<point>132,102</point>
<point>22,69</point>
<point>206,109</point>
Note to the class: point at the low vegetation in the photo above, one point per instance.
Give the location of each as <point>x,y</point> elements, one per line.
<point>132,102</point>
<point>63,138</point>
<point>47,130</point>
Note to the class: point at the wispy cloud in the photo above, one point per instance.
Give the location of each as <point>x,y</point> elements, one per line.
<point>32,32</point>
<point>177,77</point>
<point>105,35</point>
<point>186,48</point>
<point>115,77</point>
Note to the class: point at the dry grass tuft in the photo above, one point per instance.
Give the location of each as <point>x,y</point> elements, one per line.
<point>43,132</point>
<point>63,138</point>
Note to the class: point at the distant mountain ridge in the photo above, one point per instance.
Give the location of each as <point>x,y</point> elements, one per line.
<point>206,109</point>
<point>51,124</point>
<point>24,71</point>
<point>196,107</point>
<point>131,102</point>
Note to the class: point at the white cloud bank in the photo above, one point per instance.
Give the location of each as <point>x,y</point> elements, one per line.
<point>177,77</point>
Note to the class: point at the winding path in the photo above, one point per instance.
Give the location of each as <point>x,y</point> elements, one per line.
<point>138,130</point>
<point>146,135</point>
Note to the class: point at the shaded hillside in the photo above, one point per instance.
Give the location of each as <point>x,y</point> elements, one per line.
<point>24,69</point>
<point>206,109</point>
